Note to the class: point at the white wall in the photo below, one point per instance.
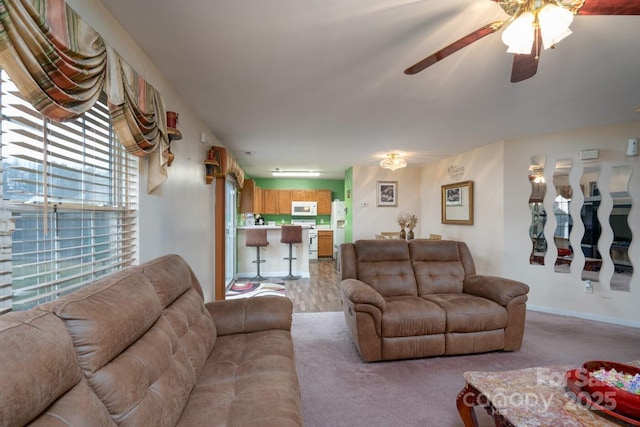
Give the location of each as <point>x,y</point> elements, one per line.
<point>484,166</point>
<point>178,216</point>
<point>560,292</point>
<point>499,238</point>
<point>370,219</point>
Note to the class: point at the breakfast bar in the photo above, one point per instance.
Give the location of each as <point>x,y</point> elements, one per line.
<point>275,265</point>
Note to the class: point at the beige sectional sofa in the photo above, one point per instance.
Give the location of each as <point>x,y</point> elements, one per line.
<point>141,348</point>
<point>423,298</point>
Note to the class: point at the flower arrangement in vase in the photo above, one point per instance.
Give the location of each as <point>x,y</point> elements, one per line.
<point>402,222</point>
<point>409,221</point>
<point>412,221</point>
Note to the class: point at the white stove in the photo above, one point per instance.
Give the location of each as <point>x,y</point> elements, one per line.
<point>313,234</point>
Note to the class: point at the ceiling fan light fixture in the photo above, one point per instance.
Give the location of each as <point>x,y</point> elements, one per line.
<point>392,162</point>
<point>554,24</point>
<point>519,35</point>
<point>553,21</point>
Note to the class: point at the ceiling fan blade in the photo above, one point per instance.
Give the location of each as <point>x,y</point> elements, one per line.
<point>610,7</point>
<point>526,66</point>
<point>454,47</point>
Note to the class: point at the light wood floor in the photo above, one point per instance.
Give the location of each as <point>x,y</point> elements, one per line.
<point>320,292</point>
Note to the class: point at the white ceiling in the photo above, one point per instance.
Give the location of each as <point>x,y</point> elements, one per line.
<point>319,85</point>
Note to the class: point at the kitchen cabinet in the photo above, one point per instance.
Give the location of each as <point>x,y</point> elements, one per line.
<point>269,201</point>
<point>250,197</point>
<point>258,203</point>
<point>272,201</point>
<point>297,195</point>
<point>325,243</point>
<point>284,202</point>
<point>276,202</point>
<point>322,197</point>
<point>304,195</point>
<point>324,202</point>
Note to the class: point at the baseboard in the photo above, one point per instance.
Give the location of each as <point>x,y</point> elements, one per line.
<point>587,316</point>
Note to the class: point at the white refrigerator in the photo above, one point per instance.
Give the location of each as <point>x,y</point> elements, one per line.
<point>338,218</point>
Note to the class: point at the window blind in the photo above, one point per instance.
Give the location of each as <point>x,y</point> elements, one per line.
<point>69,202</point>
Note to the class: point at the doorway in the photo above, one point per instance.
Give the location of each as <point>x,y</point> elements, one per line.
<point>231,201</point>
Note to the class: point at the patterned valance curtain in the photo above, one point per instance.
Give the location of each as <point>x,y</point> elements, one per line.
<point>228,165</point>
<point>138,116</point>
<point>61,65</point>
<point>56,60</point>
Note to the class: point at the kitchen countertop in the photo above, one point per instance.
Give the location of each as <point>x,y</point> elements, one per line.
<point>268,227</point>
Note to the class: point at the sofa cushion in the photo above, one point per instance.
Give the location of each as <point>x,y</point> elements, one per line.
<point>140,357</point>
<point>385,265</point>
<point>439,266</point>
<point>249,380</point>
<point>183,307</point>
<point>42,383</point>
<point>468,313</point>
<point>407,316</point>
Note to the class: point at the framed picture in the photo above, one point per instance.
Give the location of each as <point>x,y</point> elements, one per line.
<point>387,192</point>
<point>453,196</point>
<point>457,203</point>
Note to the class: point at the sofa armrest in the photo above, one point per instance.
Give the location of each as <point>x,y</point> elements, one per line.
<point>359,292</point>
<point>497,289</point>
<point>243,315</point>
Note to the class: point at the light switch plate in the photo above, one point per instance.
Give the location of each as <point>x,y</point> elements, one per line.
<point>589,154</point>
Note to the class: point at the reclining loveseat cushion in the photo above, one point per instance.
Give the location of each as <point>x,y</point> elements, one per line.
<point>386,267</point>
<point>390,273</point>
<point>469,313</point>
<point>441,268</point>
<point>412,316</point>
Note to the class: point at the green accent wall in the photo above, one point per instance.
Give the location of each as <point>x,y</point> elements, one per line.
<point>348,202</point>
<point>336,186</point>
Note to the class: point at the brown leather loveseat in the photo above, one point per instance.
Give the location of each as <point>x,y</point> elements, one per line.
<point>141,348</point>
<point>423,298</point>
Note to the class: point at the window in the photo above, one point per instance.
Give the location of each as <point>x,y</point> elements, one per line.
<point>69,202</point>
<point>563,218</point>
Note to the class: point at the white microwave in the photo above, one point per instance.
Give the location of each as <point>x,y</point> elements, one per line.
<point>299,208</point>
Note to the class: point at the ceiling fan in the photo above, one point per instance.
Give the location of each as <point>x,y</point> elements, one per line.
<point>532,24</point>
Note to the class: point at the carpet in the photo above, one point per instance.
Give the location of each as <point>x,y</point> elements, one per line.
<point>255,289</point>
<point>338,389</point>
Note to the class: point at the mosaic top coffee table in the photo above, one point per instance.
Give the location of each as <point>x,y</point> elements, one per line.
<point>529,397</point>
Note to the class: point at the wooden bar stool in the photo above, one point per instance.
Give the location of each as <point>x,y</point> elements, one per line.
<point>257,237</point>
<point>291,234</point>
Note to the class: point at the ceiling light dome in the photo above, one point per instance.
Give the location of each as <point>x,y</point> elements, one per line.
<point>393,162</point>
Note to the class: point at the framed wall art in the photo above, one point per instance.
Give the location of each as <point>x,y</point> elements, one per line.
<point>457,203</point>
<point>387,193</point>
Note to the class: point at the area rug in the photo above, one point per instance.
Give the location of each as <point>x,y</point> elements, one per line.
<point>255,289</point>
<point>338,389</point>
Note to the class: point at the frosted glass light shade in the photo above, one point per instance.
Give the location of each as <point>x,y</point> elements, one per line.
<point>520,34</point>
<point>554,24</point>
